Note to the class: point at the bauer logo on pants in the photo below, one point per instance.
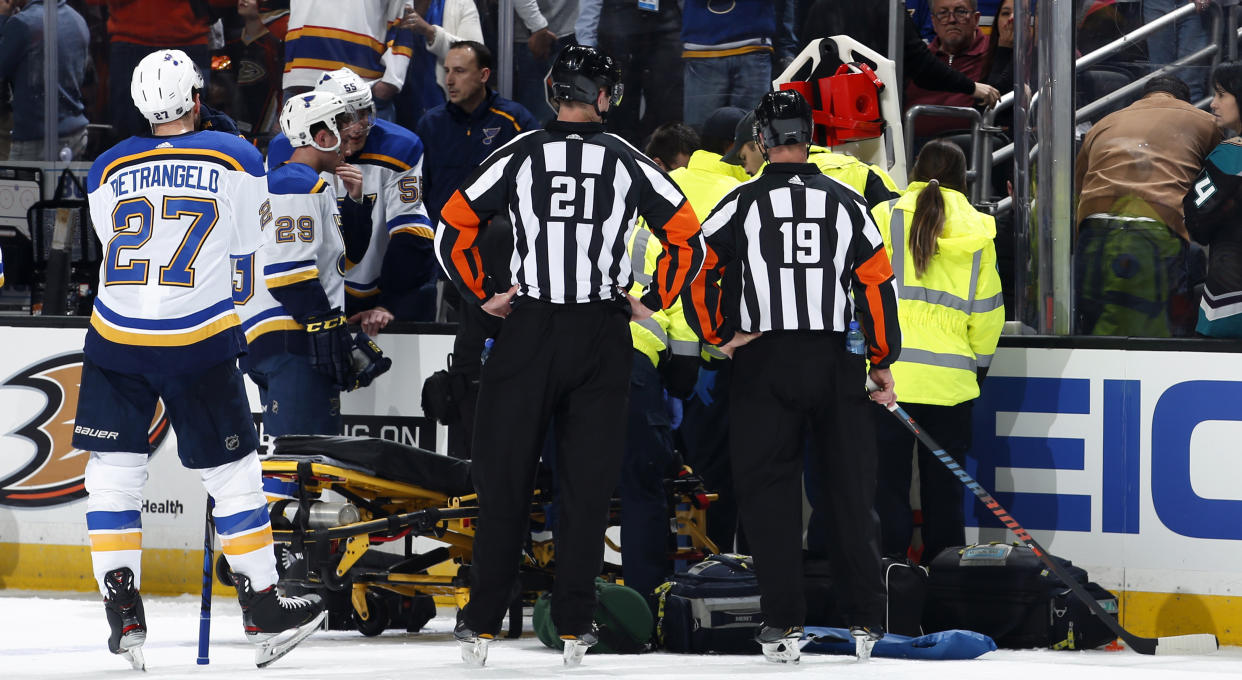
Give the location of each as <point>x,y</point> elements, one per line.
<point>45,469</point>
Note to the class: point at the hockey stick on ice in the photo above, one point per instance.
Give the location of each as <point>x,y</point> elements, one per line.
<point>204,616</point>
<point>1198,643</point>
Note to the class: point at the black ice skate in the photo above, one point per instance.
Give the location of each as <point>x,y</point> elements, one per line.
<point>126,617</point>
<point>576,646</point>
<point>780,645</point>
<point>275,624</point>
<point>473,645</point>
<point>865,638</point>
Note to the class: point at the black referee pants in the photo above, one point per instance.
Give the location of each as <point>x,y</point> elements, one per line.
<point>781,382</point>
<point>568,364</point>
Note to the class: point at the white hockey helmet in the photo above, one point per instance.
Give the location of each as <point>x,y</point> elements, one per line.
<point>163,85</point>
<point>302,112</point>
<point>352,90</point>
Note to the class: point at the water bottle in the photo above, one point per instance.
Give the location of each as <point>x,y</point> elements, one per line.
<point>487,349</point>
<point>855,343</point>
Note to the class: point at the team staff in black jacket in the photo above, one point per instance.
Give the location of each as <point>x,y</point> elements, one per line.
<point>563,353</point>
<point>802,241</point>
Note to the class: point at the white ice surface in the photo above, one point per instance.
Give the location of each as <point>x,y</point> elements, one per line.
<point>58,636</point>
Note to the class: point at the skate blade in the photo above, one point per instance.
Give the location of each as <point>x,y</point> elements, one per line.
<point>275,647</point>
<point>573,652</point>
<point>862,648</point>
<point>474,653</point>
<point>786,651</point>
<point>135,658</point>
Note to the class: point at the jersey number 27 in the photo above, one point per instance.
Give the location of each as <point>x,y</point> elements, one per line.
<point>132,225</point>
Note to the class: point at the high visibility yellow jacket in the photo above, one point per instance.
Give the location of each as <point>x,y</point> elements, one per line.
<point>666,329</point>
<point>951,317</point>
<point>704,181</point>
<point>871,181</point>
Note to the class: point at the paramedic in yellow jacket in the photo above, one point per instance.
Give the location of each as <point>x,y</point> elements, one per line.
<point>666,357</point>
<point>951,314</point>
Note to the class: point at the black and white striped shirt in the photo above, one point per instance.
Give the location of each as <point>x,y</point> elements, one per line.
<point>803,242</point>
<point>573,193</point>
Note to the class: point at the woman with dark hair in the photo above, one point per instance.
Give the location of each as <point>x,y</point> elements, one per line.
<point>950,312</point>
<point>998,71</point>
<point>1213,213</point>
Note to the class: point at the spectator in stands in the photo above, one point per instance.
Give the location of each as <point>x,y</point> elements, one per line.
<point>704,431</point>
<point>1185,37</point>
<point>437,25</point>
<point>867,22</point>
<point>644,41</point>
<point>961,45</point>
<point>370,39</point>
<point>727,52</point>
<point>546,27</point>
<point>1132,266</point>
<point>950,311</point>
<point>475,121</point>
<point>257,62</point>
<point>21,65</point>
<point>137,28</point>
<point>1214,216</point>
<point>998,69</point>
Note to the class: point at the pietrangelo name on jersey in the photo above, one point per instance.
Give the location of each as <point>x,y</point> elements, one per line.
<point>175,175</point>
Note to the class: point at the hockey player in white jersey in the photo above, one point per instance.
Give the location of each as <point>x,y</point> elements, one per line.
<point>396,278</point>
<point>291,291</point>
<point>170,208</point>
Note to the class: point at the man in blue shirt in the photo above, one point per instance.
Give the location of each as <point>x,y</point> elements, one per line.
<point>475,121</point>
<point>21,65</point>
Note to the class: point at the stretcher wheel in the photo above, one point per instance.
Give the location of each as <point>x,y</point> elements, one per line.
<point>377,611</point>
<point>223,572</point>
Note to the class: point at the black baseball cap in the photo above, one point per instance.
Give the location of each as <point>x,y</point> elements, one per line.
<point>722,123</point>
<point>744,132</point>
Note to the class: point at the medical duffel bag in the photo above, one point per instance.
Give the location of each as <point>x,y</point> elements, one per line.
<point>711,607</point>
<point>1006,592</point>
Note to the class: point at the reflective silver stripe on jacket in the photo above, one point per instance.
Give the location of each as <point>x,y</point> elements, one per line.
<point>654,327</point>
<point>922,356</point>
<point>897,229</point>
<point>685,348</point>
<point>638,258</point>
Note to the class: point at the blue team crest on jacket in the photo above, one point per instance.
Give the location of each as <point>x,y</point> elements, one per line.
<point>489,134</point>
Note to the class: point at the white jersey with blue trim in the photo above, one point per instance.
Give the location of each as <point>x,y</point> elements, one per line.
<point>170,211</point>
<point>391,162</point>
<point>302,241</point>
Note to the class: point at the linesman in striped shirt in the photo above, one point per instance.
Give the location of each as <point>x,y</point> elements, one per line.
<point>802,242</point>
<point>563,355</point>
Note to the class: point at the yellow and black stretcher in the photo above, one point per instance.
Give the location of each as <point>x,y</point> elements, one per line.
<point>348,514</point>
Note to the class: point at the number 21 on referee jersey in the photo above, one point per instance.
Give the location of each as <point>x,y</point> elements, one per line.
<point>132,223</point>
<point>565,197</point>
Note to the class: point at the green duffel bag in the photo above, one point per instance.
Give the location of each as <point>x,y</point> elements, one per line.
<point>621,614</point>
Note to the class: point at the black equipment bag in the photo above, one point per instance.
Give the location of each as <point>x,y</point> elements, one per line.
<point>905,588</point>
<point>443,393</point>
<point>711,607</point>
<point>1005,592</point>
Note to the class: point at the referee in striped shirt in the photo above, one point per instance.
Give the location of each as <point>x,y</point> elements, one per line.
<point>562,359</point>
<point>802,242</point>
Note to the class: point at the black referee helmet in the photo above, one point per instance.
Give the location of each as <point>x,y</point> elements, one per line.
<point>578,75</point>
<point>782,117</point>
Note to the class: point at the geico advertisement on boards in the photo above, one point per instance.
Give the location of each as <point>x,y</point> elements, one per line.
<point>42,476</point>
<point>1131,458</point>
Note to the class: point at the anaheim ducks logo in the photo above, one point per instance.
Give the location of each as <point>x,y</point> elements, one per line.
<point>56,473</point>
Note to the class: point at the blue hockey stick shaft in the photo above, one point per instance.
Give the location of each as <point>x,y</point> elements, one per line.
<point>204,616</point>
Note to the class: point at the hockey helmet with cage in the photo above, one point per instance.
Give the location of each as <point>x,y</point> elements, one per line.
<point>303,112</point>
<point>782,117</point>
<point>163,86</point>
<point>578,75</point>
<point>352,90</point>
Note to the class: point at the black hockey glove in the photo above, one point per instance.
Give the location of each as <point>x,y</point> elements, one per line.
<point>369,361</point>
<point>330,346</point>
